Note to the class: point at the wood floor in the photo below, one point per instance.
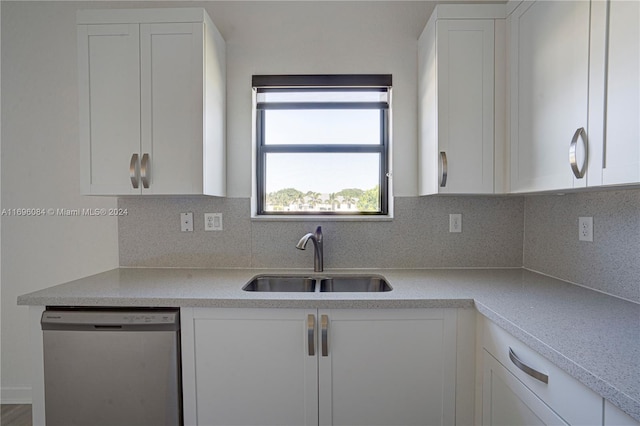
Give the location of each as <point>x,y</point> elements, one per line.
<point>15,415</point>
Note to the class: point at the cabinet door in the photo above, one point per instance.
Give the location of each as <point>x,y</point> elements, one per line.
<point>507,402</point>
<point>172,107</point>
<point>613,416</point>
<point>109,103</point>
<point>252,367</point>
<point>549,60</point>
<point>621,162</point>
<point>387,367</point>
<point>456,61</point>
<point>465,56</point>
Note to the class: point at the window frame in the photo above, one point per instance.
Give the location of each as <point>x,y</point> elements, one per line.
<point>333,83</point>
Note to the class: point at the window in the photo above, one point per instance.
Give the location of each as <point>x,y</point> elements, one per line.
<point>322,144</point>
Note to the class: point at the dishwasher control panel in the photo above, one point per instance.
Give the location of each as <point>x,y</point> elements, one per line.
<point>105,319</point>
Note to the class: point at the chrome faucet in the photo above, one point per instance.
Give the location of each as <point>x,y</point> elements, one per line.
<point>317,246</point>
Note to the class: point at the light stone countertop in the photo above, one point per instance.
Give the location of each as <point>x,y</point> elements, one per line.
<point>593,337</point>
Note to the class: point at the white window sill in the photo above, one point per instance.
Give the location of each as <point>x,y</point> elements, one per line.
<point>321,218</point>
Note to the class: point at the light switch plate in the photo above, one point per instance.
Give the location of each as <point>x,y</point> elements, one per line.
<point>213,221</point>
<point>455,222</point>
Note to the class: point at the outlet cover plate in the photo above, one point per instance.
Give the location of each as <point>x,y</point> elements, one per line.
<point>585,229</point>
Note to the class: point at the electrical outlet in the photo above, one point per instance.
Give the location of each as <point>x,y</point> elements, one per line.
<point>455,222</point>
<point>186,222</point>
<point>585,228</point>
<point>213,221</point>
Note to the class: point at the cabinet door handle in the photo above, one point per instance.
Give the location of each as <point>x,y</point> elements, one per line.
<point>444,167</point>
<point>528,370</point>
<point>134,171</point>
<point>324,323</point>
<point>311,334</point>
<point>145,172</point>
<point>573,158</point>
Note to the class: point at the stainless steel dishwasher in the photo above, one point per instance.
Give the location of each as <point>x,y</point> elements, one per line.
<point>112,367</point>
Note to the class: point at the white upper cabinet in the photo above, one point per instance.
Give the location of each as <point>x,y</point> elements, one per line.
<point>574,94</point>
<point>621,145</point>
<point>461,60</point>
<point>152,102</point>
<point>549,93</point>
<point>109,76</point>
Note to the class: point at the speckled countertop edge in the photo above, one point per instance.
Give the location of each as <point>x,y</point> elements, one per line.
<point>595,338</point>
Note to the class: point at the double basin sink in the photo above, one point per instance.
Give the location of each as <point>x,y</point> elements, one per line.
<point>324,284</point>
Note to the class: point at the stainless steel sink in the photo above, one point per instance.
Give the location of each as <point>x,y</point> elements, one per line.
<point>346,283</point>
<point>266,283</point>
<point>322,283</point>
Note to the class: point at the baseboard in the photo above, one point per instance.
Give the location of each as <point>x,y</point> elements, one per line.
<point>15,395</point>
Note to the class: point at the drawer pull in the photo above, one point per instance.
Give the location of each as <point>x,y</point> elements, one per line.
<point>324,322</point>
<point>524,367</point>
<point>311,334</point>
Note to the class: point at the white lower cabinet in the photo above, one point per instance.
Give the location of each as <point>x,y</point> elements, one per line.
<point>613,416</point>
<point>252,368</point>
<point>521,387</point>
<point>326,367</point>
<point>387,367</point>
<point>507,401</point>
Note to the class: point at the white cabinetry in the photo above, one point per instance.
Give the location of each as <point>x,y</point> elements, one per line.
<point>520,387</point>
<point>253,368</point>
<point>327,367</point>
<point>152,102</point>
<point>549,92</point>
<point>574,65</point>
<point>613,416</point>
<point>620,162</point>
<point>506,401</point>
<point>460,86</point>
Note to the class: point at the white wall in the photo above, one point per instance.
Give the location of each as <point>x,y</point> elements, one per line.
<point>321,37</point>
<point>0,192</point>
<point>40,170</point>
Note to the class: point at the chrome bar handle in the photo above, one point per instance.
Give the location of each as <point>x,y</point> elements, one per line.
<point>311,334</point>
<point>573,158</point>
<point>324,324</point>
<point>444,167</point>
<point>528,370</point>
<point>134,171</point>
<point>145,171</point>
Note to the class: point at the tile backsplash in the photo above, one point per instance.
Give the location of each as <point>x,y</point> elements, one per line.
<point>418,236</point>
<point>611,263</point>
<point>539,232</point>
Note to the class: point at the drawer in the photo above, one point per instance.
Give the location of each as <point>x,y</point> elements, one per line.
<point>573,401</point>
